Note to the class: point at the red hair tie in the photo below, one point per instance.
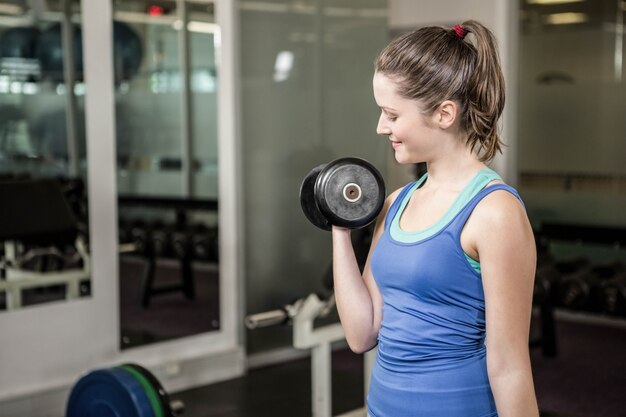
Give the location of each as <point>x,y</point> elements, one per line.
<point>460,31</point>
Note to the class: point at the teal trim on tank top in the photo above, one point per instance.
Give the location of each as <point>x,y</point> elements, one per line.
<point>477,183</point>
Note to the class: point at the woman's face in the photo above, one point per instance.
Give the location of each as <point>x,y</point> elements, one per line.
<point>403,122</point>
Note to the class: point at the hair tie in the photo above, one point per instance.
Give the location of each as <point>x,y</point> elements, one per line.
<point>460,31</point>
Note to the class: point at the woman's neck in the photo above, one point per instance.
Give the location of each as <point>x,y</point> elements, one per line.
<point>453,171</point>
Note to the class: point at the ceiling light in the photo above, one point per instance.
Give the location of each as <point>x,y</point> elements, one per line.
<point>547,2</point>
<point>565,18</point>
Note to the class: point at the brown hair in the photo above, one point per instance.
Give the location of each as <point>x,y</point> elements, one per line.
<point>434,64</point>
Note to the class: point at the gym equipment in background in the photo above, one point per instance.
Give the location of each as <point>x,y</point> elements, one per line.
<point>301,315</point>
<point>129,390</point>
<point>50,52</point>
<point>36,221</point>
<point>347,192</point>
<point>581,290</point>
<point>19,42</point>
<point>614,295</point>
<point>127,52</point>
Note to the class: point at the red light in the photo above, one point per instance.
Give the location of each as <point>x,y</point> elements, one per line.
<point>156,10</point>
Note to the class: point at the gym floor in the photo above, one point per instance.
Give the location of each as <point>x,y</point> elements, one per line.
<point>586,379</point>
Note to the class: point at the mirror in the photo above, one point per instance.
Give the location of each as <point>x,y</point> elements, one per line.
<point>164,53</point>
<point>44,244</point>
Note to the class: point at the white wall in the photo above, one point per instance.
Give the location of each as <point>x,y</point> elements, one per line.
<point>501,16</point>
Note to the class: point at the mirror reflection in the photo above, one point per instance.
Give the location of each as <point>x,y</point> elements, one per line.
<point>167,169</point>
<point>43,228</point>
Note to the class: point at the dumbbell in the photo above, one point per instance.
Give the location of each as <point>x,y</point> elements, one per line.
<point>140,237</point>
<point>128,390</point>
<point>581,290</point>
<point>546,283</point>
<point>204,243</point>
<point>346,192</point>
<point>549,275</point>
<point>181,243</point>
<point>614,295</point>
<point>160,240</point>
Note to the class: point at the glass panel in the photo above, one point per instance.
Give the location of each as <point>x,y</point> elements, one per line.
<point>148,97</point>
<point>307,99</point>
<point>571,105</point>
<point>572,140</point>
<point>204,38</point>
<point>167,169</point>
<point>44,227</point>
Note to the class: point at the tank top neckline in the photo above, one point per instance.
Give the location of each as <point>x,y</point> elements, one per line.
<point>478,182</point>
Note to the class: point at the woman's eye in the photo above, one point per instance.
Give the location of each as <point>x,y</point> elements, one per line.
<point>392,118</point>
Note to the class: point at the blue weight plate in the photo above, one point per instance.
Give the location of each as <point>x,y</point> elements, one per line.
<point>108,393</point>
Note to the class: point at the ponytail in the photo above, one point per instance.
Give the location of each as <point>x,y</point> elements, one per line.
<point>485,93</point>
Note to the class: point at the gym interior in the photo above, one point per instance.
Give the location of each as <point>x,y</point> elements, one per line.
<point>155,253</point>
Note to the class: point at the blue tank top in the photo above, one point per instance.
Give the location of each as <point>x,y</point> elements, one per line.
<point>431,358</point>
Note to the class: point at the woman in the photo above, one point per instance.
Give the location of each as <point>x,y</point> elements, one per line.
<point>446,292</point>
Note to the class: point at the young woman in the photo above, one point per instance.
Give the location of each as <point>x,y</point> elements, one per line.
<point>446,293</point>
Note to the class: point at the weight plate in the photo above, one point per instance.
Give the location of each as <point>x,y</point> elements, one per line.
<point>307,199</point>
<point>155,386</point>
<point>350,192</point>
<point>108,393</point>
<point>150,391</point>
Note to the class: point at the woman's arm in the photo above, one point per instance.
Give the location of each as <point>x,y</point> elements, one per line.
<point>359,302</point>
<point>507,253</point>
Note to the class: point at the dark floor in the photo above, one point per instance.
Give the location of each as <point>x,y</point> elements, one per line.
<point>280,390</point>
<point>169,315</point>
<point>588,376</point>
<point>586,379</point>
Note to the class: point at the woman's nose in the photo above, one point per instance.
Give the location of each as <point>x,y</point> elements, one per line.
<point>382,128</point>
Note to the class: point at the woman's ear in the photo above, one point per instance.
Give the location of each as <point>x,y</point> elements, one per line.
<point>446,114</point>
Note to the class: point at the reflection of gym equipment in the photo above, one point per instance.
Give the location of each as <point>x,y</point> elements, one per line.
<point>129,390</point>
<point>178,241</point>
<point>127,51</point>
<point>19,42</point>
<point>157,244</point>
<point>613,293</point>
<point>47,47</point>
<point>50,52</point>
<point>10,118</point>
<point>36,220</point>
<point>18,48</point>
<point>301,315</point>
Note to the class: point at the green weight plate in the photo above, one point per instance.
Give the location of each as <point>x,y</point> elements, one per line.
<point>151,392</point>
<point>164,398</point>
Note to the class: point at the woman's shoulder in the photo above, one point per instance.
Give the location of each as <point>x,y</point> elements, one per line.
<point>500,207</point>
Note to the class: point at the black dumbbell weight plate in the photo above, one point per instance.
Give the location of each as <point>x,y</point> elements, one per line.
<point>307,199</point>
<point>350,192</point>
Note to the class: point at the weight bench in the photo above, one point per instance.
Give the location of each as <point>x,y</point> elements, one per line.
<point>36,213</point>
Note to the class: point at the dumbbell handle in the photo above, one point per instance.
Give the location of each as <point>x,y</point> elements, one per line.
<point>266,319</point>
